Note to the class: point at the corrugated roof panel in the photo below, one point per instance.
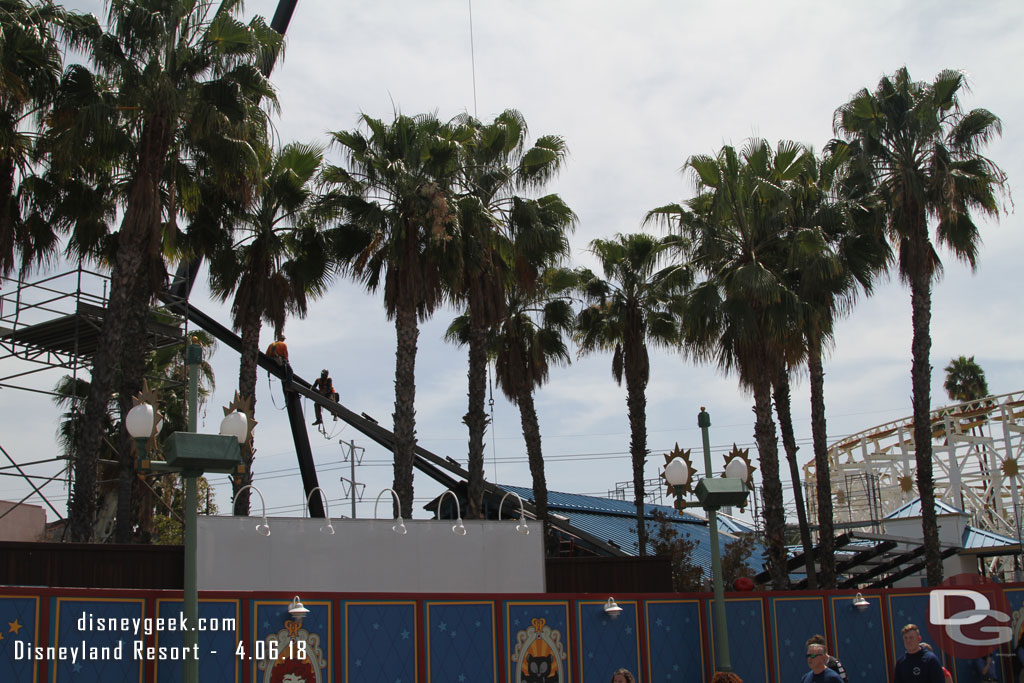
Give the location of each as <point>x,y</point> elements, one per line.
<point>614,521</point>
<point>913,509</point>
<point>980,538</point>
<point>559,501</point>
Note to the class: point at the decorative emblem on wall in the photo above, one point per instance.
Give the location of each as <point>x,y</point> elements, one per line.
<point>293,656</point>
<point>539,655</point>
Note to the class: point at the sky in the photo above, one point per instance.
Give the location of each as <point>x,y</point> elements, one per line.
<point>635,89</point>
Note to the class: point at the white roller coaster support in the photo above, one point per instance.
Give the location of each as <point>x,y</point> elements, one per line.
<point>970,464</point>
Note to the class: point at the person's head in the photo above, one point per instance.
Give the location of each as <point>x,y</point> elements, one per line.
<point>817,639</point>
<point>323,373</point>
<point>911,638</point>
<point>726,677</point>
<point>280,337</point>
<point>816,657</point>
<point>623,676</point>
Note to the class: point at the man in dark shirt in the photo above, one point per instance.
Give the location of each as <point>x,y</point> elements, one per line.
<point>832,662</point>
<point>325,387</point>
<point>917,665</point>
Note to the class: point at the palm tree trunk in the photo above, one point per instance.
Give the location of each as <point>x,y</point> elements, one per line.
<point>476,417</point>
<point>133,366</point>
<point>407,333</point>
<point>126,281</point>
<point>531,434</point>
<point>920,375</point>
<point>783,405</point>
<point>823,484</point>
<point>7,209</point>
<point>138,270</point>
<point>771,485</point>
<point>636,403</point>
<point>247,378</point>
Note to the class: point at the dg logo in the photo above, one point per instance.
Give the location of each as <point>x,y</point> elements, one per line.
<point>968,616</point>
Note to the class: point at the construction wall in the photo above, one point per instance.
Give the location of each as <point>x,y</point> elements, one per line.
<point>438,638</point>
<point>368,555</point>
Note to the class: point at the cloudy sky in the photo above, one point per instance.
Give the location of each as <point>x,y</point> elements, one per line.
<point>634,88</point>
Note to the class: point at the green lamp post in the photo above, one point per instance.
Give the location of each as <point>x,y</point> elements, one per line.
<point>191,455</point>
<point>712,493</point>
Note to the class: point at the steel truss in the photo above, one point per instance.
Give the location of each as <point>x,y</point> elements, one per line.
<point>976,450</point>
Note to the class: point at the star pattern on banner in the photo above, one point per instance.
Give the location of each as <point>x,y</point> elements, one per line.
<point>14,626</point>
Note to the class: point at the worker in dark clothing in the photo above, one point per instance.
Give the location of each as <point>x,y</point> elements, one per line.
<point>324,386</point>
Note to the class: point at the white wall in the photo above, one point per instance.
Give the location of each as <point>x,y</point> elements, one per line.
<point>366,555</point>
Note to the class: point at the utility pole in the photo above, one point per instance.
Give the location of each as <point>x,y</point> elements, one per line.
<point>354,456</point>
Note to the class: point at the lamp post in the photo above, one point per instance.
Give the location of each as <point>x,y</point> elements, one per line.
<point>190,454</point>
<point>712,493</point>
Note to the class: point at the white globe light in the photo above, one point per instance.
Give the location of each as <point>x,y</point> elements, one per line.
<point>676,472</point>
<point>737,469</point>
<point>139,421</point>
<point>235,424</point>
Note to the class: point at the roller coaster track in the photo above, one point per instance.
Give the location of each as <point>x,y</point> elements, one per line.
<point>976,451</point>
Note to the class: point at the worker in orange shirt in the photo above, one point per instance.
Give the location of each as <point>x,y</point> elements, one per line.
<point>278,351</point>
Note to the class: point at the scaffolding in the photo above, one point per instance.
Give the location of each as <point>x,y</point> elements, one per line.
<point>55,323</point>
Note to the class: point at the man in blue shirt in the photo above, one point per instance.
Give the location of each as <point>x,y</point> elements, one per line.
<point>917,665</point>
<point>817,659</point>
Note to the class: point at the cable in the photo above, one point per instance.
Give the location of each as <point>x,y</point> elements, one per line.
<point>494,447</point>
<point>472,56</point>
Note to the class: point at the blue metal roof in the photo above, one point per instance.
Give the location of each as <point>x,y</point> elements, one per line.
<point>731,525</point>
<point>614,521</point>
<point>980,538</point>
<point>560,501</point>
<point>913,509</point>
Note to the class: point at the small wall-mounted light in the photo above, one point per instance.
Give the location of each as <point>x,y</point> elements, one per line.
<point>521,525</point>
<point>459,529</point>
<point>860,602</point>
<point>329,529</point>
<point>297,610</point>
<point>399,526</point>
<point>264,528</point>
<point>612,609</point>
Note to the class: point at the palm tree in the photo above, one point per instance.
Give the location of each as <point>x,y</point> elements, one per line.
<point>501,236</point>
<point>174,98</point>
<point>277,259</point>
<point>919,151</point>
<point>735,234</point>
<point>30,70</point>
<point>525,344</point>
<point>396,190</point>
<point>837,250</point>
<point>965,380</point>
<point>635,304</point>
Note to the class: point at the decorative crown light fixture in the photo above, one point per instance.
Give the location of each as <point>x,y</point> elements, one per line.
<point>678,475</point>
<point>860,602</point>
<point>612,609</point>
